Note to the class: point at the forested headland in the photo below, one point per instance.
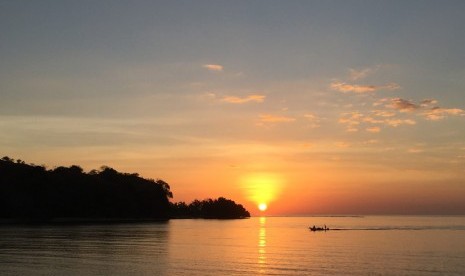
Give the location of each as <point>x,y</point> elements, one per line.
<point>30,192</point>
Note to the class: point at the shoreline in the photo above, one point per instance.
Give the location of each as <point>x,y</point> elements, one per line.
<point>84,221</point>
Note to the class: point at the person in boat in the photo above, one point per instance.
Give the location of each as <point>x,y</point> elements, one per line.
<point>314,228</point>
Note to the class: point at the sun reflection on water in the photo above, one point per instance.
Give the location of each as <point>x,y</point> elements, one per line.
<point>262,245</point>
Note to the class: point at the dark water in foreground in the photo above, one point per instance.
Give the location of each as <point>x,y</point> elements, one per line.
<point>270,246</point>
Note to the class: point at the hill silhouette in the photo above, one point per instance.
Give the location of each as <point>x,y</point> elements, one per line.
<point>30,192</point>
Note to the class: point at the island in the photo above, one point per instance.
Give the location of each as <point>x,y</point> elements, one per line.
<point>33,193</point>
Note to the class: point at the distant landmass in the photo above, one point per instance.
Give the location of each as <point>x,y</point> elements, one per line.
<point>30,192</point>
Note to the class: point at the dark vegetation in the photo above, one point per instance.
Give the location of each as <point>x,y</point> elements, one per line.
<point>220,208</point>
<point>30,192</point>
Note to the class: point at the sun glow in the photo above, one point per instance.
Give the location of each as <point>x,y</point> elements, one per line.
<point>262,188</point>
<point>262,207</point>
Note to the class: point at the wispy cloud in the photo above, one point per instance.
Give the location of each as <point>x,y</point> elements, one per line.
<point>437,113</point>
<point>313,120</point>
<point>342,145</point>
<point>428,102</point>
<point>399,122</point>
<point>386,112</point>
<point>361,89</point>
<point>209,95</point>
<point>372,120</point>
<point>426,108</point>
<point>395,112</point>
<point>213,67</point>
<point>415,150</point>
<point>351,129</point>
<point>247,99</point>
<point>357,74</point>
<point>383,113</point>
<point>346,88</point>
<point>351,120</point>
<point>402,105</point>
<point>373,129</point>
<point>355,120</point>
<point>268,118</point>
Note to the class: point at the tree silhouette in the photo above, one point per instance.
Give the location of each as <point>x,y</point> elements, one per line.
<point>31,192</point>
<point>220,208</point>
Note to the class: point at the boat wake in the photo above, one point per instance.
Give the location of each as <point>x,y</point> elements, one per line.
<point>402,228</point>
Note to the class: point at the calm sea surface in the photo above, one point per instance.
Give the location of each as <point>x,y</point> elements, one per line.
<point>380,245</point>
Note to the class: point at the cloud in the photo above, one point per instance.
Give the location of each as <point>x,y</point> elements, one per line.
<point>268,118</point>
<point>307,145</point>
<point>415,150</point>
<point>360,89</point>
<point>428,102</point>
<point>352,129</point>
<point>402,105</point>
<point>372,120</point>
<point>371,142</point>
<point>373,129</point>
<point>346,88</point>
<point>351,120</point>
<point>359,74</point>
<point>213,67</point>
<point>383,113</point>
<point>430,112</point>
<point>355,120</point>
<point>356,74</point>
<point>313,120</point>
<point>239,100</point>
<point>437,113</point>
<point>390,86</point>
<point>398,122</point>
<point>342,145</point>
<point>209,95</point>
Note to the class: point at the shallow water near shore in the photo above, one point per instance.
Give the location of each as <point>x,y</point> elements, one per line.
<point>372,245</point>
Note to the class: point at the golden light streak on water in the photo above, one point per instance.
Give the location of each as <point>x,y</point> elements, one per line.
<point>262,246</point>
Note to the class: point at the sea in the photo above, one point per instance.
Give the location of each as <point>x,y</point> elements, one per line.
<point>354,245</point>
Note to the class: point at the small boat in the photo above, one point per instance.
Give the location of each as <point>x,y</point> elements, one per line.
<point>314,228</point>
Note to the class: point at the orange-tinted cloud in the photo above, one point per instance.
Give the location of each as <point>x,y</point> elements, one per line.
<point>373,129</point>
<point>399,122</point>
<point>402,105</point>
<point>239,100</point>
<point>383,113</point>
<point>346,88</point>
<point>437,113</point>
<point>430,112</point>
<point>268,118</point>
<point>357,74</point>
<point>428,102</point>
<point>361,89</point>
<point>415,150</point>
<point>314,120</point>
<point>213,67</point>
<point>351,120</point>
<point>356,120</point>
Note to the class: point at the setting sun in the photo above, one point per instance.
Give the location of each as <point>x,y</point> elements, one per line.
<point>262,187</point>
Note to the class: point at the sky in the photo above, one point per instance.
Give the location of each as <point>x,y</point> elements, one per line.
<point>310,107</point>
